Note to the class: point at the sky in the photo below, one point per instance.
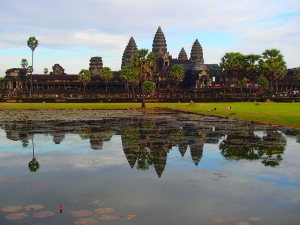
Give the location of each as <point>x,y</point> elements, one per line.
<point>70,32</point>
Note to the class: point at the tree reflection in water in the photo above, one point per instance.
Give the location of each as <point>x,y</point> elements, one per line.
<point>33,165</point>
<point>146,141</point>
<point>242,143</point>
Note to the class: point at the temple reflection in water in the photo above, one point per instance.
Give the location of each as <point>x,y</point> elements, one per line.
<point>146,141</point>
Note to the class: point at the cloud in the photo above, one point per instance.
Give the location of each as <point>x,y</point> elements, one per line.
<point>104,27</point>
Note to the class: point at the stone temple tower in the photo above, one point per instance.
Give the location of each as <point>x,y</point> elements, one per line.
<point>159,46</point>
<point>95,65</point>
<point>130,51</point>
<point>182,55</point>
<point>197,53</point>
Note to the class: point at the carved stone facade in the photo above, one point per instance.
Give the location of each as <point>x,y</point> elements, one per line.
<point>159,46</point>
<point>182,55</point>
<point>130,51</point>
<point>57,70</point>
<point>196,53</point>
<point>197,74</point>
<point>96,65</point>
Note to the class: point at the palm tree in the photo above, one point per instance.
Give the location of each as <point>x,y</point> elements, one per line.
<point>85,77</point>
<point>232,66</point>
<point>263,82</point>
<point>176,74</point>
<point>273,67</point>
<point>24,63</point>
<point>252,69</point>
<point>242,82</point>
<point>33,165</point>
<point>149,87</point>
<point>32,43</point>
<point>129,76</point>
<point>106,75</point>
<point>144,64</point>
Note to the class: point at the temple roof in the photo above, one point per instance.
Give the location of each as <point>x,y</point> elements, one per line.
<point>129,52</point>
<point>182,55</point>
<point>197,53</point>
<point>159,45</point>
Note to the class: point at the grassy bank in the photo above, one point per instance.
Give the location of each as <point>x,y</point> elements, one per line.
<point>287,114</point>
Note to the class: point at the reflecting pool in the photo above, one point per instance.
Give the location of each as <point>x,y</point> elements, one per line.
<point>149,169</point>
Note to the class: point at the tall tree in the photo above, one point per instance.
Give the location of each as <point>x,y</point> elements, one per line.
<point>45,71</point>
<point>24,63</point>
<point>176,74</point>
<point>106,75</point>
<point>263,82</point>
<point>32,43</point>
<point>33,165</point>
<point>242,83</point>
<point>85,77</point>
<point>149,87</point>
<point>232,66</point>
<point>129,76</point>
<point>252,70</point>
<point>144,64</point>
<point>273,67</point>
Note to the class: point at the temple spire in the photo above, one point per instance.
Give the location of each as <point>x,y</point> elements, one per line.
<point>159,46</point>
<point>182,55</point>
<point>197,53</point>
<point>96,65</point>
<point>130,51</point>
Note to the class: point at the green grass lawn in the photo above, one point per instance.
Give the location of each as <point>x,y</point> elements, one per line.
<point>287,114</point>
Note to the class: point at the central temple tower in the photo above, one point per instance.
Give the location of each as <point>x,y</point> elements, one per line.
<point>159,49</point>
<point>159,46</point>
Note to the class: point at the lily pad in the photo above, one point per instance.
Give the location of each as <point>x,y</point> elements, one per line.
<point>33,207</point>
<point>242,223</point>
<point>96,202</point>
<point>81,213</point>
<point>43,214</point>
<point>8,180</point>
<point>16,216</point>
<point>225,219</point>
<point>108,217</point>
<point>218,220</point>
<point>130,217</point>
<point>86,221</point>
<point>11,209</point>
<point>255,219</point>
<point>104,210</point>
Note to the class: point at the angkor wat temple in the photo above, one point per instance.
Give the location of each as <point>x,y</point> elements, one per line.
<point>197,84</point>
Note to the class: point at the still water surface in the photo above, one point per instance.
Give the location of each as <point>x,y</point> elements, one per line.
<point>161,169</point>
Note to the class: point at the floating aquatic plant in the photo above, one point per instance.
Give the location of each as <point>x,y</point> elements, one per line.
<point>108,217</point>
<point>8,180</point>
<point>242,223</point>
<point>130,217</point>
<point>225,219</point>
<point>43,214</point>
<point>104,210</point>
<point>86,221</point>
<point>33,207</point>
<point>16,216</point>
<point>11,209</point>
<point>81,213</point>
<point>255,219</point>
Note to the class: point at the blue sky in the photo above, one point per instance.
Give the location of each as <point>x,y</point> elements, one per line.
<point>71,32</point>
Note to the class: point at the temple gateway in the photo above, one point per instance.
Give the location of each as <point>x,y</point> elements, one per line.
<point>197,83</point>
